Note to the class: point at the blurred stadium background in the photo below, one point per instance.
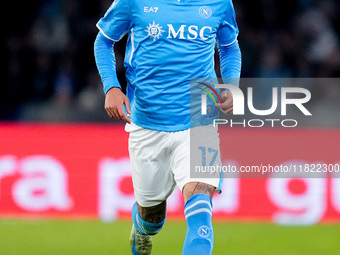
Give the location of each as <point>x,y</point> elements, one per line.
<point>49,72</point>
<point>65,185</point>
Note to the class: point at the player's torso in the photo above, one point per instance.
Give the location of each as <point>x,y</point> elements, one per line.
<point>169,43</point>
<point>172,38</point>
<point>186,20</point>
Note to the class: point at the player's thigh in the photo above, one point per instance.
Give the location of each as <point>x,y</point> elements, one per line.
<point>198,147</point>
<point>152,179</point>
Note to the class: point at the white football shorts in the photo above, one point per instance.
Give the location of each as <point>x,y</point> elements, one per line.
<point>161,160</point>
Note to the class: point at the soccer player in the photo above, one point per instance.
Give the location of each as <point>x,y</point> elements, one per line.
<point>169,42</point>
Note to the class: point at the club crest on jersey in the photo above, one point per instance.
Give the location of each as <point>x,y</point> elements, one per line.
<point>205,12</point>
<point>154,30</point>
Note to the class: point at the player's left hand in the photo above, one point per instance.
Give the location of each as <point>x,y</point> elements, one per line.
<point>227,105</point>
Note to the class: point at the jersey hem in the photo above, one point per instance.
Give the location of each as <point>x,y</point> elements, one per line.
<point>163,128</point>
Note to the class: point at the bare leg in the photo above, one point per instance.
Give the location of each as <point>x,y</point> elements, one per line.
<point>153,214</point>
<point>193,188</point>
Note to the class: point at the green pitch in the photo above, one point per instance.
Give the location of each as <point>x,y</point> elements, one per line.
<point>97,238</point>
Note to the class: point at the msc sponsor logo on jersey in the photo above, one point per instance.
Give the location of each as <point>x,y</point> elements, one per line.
<point>154,30</point>
<point>190,32</point>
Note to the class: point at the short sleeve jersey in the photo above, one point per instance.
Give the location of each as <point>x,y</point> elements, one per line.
<point>169,42</point>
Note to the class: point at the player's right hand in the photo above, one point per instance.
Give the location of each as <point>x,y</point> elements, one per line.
<point>114,101</point>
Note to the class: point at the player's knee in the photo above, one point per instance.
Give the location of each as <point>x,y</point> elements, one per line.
<point>149,220</point>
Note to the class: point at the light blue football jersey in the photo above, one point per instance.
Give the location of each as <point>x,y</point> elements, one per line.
<point>169,42</point>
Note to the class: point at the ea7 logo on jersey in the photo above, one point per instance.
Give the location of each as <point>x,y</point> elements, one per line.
<point>150,9</point>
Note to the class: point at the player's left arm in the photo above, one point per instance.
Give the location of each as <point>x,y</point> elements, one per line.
<point>230,59</point>
<point>230,54</point>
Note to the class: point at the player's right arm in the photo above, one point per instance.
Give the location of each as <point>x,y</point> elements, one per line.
<point>116,22</point>
<point>115,99</point>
